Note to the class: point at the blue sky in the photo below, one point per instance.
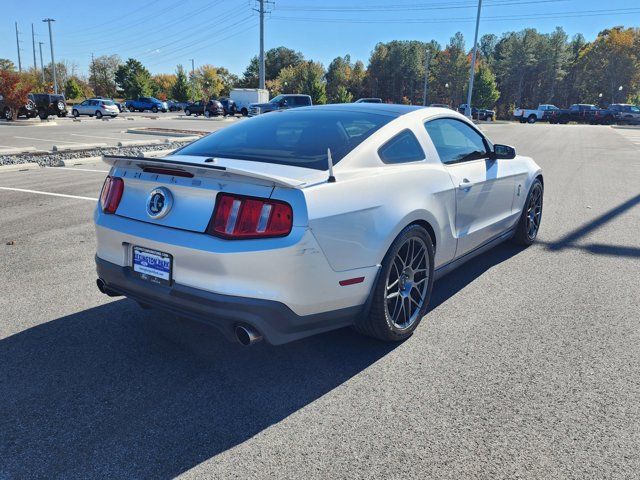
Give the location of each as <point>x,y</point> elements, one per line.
<point>163,33</point>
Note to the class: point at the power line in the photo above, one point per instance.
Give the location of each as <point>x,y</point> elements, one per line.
<point>404,7</point>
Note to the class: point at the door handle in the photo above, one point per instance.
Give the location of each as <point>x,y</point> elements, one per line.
<point>465,185</point>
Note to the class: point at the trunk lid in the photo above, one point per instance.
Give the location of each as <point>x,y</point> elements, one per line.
<point>192,183</point>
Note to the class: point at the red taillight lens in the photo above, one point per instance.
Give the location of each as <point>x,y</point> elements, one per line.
<point>238,217</point>
<point>111,194</point>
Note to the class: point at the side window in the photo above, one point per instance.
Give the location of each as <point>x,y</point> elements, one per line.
<point>402,148</point>
<point>455,141</point>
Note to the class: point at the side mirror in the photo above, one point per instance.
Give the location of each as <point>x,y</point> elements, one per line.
<point>503,152</point>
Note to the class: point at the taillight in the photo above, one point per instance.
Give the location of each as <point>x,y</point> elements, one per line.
<point>111,194</point>
<point>240,217</point>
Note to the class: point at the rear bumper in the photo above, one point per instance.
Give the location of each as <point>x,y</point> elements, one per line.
<point>274,320</point>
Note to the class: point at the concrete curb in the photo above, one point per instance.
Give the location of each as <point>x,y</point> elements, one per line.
<point>19,167</point>
<point>84,146</point>
<point>18,150</point>
<point>28,123</point>
<point>159,133</point>
<point>626,127</point>
<point>202,117</point>
<point>138,143</point>
<point>72,162</point>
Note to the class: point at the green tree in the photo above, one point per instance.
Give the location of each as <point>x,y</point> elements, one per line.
<point>72,89</point>
<point>275,60</point>
<point>134,79</point>
<point>102,73</point>
<point>6,64</point>
<point>449,73</point>
<point>161,85</point>
<point>485,93</point>
<point>180,89</point>
<point>342,95</point>
<point>306,78</point>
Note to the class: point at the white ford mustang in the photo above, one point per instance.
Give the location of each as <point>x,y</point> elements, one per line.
<point>310,219</point>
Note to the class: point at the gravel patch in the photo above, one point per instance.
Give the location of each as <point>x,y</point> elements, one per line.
<point>56,159</point>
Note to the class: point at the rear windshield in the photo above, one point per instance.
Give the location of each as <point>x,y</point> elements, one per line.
<point>294,137</point>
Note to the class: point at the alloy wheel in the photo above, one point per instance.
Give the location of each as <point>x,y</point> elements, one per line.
<point>407,282</point>
<point>534,212</point>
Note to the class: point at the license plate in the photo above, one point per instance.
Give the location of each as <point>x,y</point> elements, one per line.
<point>152,265</point>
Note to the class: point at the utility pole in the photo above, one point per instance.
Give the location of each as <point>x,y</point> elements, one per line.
<point>262,81</point>
<point>41,64</point>
<point>193,68</point>
<point>53,61</point>
<point>92,73</point>
<point>427,60</point>
<point>18,45</point>
<point>33,40</point>
<point>467,110</point>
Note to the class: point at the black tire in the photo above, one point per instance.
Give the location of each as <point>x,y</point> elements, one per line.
<point>98,114</point>
<point>244,112</point>
<point>75,113</point>
<point>187,112</point>
<point>531,212</point>
<point>154,109</point>
<point>131,109</point>
<point>522,120</point>
<point>43,114</point>
<point>532,118</point>
<point>7,114</point>
<point>380,323</point>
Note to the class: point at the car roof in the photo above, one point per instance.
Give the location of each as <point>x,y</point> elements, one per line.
<point>390,109</point>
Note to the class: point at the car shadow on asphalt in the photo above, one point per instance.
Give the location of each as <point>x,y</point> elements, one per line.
<point>119,392</point>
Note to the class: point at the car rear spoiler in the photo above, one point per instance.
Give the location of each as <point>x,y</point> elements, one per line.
<point>224,171</point>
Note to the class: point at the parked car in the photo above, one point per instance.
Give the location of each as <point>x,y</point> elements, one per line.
<point>543,112</point>
<point>578,112</point>
<point>229,106</point>
<point>117,104</point>
<point>96,107</point>
<point>211,108</point>
<point>28,110</point>
<point>175,106</point>
<point>300,222</point>
<point>281,102</point>
<point>369,100</point>
<point>478,113</point>
<point>48,104</point>
<point>146,103</point>
<point>244,97</point>
<point>625,113</point>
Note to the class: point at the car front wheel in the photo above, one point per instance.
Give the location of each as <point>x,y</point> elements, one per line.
<point>7,114</point>
<point>43,114</point>
<point>154,109</point>
<point>75,113</point>
<point>187,112</point>
<point>529,223</point>
<point>401,294</point>
<point>98,114</point>
<point>131,109</point>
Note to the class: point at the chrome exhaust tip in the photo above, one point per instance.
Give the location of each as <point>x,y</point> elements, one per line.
<point>104,289</point>
<point>247,335</point>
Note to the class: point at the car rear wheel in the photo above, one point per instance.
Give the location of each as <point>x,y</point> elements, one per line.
<point>75,113</point>
<point>98,114</point>
<point>244,112</point>
<point>7,114</point>
<point>402,290</point>
<point>529,223</point>
<point>531,118</point>
<point>187,112</point>
<point>154,109</point>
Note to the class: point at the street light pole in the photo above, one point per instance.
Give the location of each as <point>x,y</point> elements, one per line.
<point>53,60</point>
<point>467,111</point>
<point>41,64</point>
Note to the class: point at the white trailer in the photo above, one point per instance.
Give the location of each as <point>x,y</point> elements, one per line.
<point>246,96</point>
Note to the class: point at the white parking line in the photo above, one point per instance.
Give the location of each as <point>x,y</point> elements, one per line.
<point>94,136</point>
<point>48,193</point>
<point>75,169</point>
<point>47,140</point>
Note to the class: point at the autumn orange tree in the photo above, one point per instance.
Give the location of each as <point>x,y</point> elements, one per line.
<point>14,88</point>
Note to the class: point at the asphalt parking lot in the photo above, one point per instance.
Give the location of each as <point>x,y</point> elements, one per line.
<point>89,130</point>
<point>527,365</point>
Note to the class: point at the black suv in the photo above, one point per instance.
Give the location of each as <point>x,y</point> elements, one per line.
<point>28,110</point>
<point>47,104</point>
<point>281,102</point>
